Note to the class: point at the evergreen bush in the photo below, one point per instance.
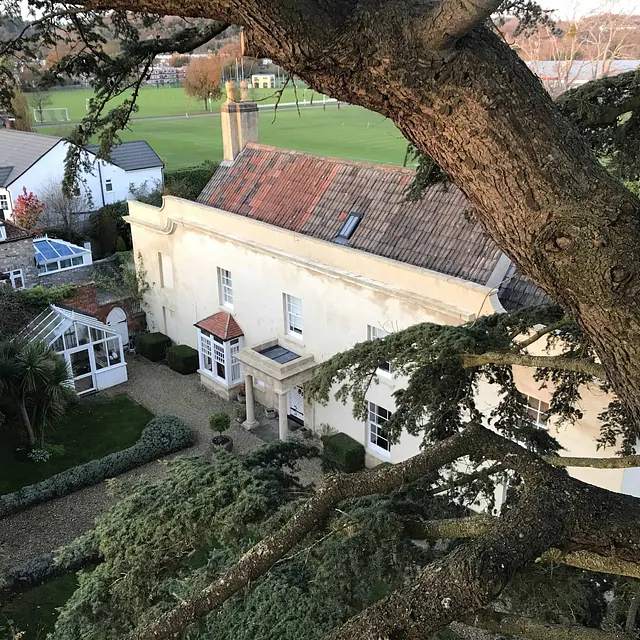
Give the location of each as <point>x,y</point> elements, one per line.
<point>183,359</point>
<point>80,553</point>
<point>343,453</point>
<point>163,435</point>
<point>153,346</point>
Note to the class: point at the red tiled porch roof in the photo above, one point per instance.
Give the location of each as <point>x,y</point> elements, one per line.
<point>221,324</point>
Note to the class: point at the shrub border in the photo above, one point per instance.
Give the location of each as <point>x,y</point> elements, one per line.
<point>161,436</point>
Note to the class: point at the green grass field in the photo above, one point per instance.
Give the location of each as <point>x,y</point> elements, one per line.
<point>352,133</point>
<point>163,101</point>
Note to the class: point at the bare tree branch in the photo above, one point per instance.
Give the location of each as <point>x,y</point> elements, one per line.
<point>452,19</point>
<point>543,332</point>
<point>531,629</point>
<point>543,362</point>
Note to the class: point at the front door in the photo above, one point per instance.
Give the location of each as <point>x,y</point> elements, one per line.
<point>295,404</point>
<point>81,369</point>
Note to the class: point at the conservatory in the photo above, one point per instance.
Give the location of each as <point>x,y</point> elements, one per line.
<point>92,349</point>
<point>53,255</point>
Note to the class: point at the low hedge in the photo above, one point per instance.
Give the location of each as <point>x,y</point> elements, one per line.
<point>80,553</point>
<point>163,435</point>
<point>343,453</point>
<point>153,346</point>
<point>183,359</point>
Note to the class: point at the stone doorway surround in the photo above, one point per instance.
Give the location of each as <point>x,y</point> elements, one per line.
<point>271,371</point>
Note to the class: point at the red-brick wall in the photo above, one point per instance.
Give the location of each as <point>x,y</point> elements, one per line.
<point>85,299</point>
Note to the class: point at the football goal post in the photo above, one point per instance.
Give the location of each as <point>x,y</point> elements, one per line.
<point>51,115</point>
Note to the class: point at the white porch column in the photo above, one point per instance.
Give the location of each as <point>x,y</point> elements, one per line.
<point>283,421</point>
<point>251,421</point>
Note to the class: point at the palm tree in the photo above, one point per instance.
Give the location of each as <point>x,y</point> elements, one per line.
<point>37,380</point>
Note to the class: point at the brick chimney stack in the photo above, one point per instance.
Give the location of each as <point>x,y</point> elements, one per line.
<point>239,119</point>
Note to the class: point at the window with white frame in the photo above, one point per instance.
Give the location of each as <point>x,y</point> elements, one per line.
<point>218,358</point>
<point>16,278</point>
<point>293,312</point>
<point>108,185</point>
<point>226,287</point>
<point>4,202</point>
<point>538,411</point>
<point>377,436</point>
<point>375,333</point>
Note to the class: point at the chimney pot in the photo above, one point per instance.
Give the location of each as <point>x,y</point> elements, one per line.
<point>244,91</point>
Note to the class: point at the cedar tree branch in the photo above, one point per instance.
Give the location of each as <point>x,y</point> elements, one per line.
<point>531,629</point>
<point>452,19</point>
<point>545,362</point>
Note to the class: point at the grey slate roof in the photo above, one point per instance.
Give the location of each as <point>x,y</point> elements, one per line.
<point>313,195</point>
<point>517,291</point>
<point>133,155</point>
<point>19,150</point>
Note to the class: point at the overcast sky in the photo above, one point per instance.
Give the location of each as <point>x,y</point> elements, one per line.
<point>577,8</point>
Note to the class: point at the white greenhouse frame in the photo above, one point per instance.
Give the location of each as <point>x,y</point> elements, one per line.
<point>93,351</point>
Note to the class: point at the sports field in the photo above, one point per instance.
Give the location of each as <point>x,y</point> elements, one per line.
<point>162,101</point>
<point>350,132</point>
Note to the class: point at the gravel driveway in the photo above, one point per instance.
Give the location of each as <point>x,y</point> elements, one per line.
<point>50,525</point>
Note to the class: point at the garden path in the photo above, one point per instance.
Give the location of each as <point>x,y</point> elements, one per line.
<point>52,524</point>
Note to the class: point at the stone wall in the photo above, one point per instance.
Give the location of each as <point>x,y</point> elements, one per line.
<point>86,299</point>
<point>18,254</point>
<point>79,275</point>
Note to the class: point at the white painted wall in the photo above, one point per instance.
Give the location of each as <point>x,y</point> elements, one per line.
<point>338,300</point>
<point>50,169</point>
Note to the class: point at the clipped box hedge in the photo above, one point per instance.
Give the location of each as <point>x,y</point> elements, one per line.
<point>153,346</point>
<point>183,359</point>
<point>343,453</point>
<point>78,554</point>
<point>163,435</point>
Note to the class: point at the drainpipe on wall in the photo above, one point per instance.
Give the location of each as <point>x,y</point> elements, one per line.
<point>101,187</point>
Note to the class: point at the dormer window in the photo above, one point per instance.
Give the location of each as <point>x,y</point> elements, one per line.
<point>347,229</point>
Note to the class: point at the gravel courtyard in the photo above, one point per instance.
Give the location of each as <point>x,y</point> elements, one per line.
<point>49,525</point>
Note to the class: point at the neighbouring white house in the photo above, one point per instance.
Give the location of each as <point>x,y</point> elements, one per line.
<point>263,80</point>
<point>92,349</point>
<point>35,162</point>
<point>289,258</point>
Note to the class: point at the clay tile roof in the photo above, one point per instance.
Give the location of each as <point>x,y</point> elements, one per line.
<point>313,195</point>
<point>14,232</point>
<point>221,324</point>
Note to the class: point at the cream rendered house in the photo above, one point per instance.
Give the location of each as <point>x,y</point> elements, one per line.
<point>289,258</point>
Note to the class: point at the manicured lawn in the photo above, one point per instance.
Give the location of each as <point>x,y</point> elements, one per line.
<point>96,427</point>
<point>161,101</point>
<point>34,612</point>
<point>352,133</point>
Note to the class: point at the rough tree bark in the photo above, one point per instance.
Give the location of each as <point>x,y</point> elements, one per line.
<point>477,110</point>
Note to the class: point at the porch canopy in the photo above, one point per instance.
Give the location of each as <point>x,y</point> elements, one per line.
<point>92,349</point>
<point>283,371</point>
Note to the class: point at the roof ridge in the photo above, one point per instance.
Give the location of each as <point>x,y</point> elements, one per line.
<point>334,159</point>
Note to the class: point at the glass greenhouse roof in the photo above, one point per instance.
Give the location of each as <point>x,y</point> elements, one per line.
<point>54,321</point>
<point>51,249</point>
